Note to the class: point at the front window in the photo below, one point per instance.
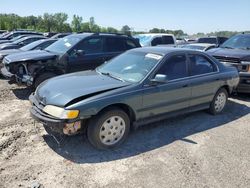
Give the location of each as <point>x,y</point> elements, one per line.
<point>175,67</point>
<point>63,45</point>
<point>238,41</point>
<point>130,66</point>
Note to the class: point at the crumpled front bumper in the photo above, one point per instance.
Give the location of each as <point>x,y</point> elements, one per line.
<point>61,126</point>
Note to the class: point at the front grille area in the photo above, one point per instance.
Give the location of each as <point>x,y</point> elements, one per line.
<point>234,62</point>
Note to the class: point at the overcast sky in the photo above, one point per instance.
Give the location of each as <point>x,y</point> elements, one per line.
<point>191,16</point>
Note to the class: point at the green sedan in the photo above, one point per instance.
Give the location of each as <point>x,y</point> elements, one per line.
<point>138,87</point>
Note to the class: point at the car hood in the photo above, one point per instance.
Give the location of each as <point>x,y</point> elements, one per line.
<point>233,53</point>
<point>29,55</point>
<point>61,90</point>
<point>4,41</point>
<point>7,45</point>
<point>10,51</point>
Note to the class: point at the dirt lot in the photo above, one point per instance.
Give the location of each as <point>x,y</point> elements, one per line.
<point>195,150</point>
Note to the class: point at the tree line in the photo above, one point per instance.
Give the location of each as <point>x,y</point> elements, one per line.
<point>58,22</point>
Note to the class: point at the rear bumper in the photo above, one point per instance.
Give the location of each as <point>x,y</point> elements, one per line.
<point>244,84</point>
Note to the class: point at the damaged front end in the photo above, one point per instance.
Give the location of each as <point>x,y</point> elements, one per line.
<point>24,72</point>
<point>55,124</point>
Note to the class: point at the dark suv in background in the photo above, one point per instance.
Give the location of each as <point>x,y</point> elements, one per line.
<point>236,52</point>
<point>73,53</point>
<point>212,40</point>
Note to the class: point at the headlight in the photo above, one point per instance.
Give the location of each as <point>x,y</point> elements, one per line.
<point>247,64</point>
<point>61,113</point>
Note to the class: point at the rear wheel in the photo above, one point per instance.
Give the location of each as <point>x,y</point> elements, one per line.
<point>42,77</point>
<point>109,129</point>
<point>219,101</point>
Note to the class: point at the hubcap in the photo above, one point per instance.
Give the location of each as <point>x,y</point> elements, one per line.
<point>112,130</point>
<point>220,102</point>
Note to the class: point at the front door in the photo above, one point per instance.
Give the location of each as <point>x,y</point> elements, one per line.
<point>92,55</point>
<point>171,96</point>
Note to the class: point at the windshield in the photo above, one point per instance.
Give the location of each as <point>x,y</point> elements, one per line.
<point>130,66</point>
<point>238,41</point>
<point>31,45</point>
<point>144,39</point>
<point>19,40</point>
<point>63,45</point>
<point>209,40</point>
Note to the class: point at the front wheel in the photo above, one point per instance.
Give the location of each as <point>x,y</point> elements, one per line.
<point>219,101</point>
<point>109,129</point>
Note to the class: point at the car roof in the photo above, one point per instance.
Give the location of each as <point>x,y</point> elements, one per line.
<point>162,50</point>
<point>32,36</point>
<point>156,34</point>
<point>84,35</point>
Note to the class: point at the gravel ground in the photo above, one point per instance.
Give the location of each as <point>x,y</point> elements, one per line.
<point>195,150</point>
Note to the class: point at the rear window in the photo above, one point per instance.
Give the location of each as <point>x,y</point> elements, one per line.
<point>207,40</point>
<point>115,44</point>
<point>167,40</point>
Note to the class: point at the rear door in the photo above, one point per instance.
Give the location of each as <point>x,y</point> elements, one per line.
<point>113,46</point>
<point>203,79</point>
<point>93,54</point>
<point>173,95</point>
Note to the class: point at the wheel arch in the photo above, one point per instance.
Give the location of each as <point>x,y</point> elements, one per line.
<point>227,88</point>
<point>126,108</point>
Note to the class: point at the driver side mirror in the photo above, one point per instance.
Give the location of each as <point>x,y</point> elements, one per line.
<point>80,52</point>
<point>159,79</point>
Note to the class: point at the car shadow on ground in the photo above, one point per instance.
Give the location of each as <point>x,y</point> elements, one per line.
<point>147,138</point>
<point>22,93</point>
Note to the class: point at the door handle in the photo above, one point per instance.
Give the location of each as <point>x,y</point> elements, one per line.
<point>186,85</point>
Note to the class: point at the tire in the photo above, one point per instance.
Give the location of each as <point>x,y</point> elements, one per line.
<point>42,77</point>
<point>219,101</point>
<point>103,134</point>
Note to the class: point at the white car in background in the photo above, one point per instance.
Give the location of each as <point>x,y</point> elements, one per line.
<point>199,46</point>
<point>156,39</point>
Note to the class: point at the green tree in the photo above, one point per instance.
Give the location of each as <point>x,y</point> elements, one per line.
<point>85,27</point>
<point>76,23</point>
<point>59,21</point>
<point>126,30</point>
<point>154,30</point>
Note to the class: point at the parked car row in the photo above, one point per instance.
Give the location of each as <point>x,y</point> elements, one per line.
<point>115,84</point>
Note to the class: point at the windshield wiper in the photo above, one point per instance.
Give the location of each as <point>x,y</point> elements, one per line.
<point>112,76</point>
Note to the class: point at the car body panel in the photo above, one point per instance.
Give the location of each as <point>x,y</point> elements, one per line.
<point>60,63</point>
<point>236,54</point>
<point>233,53</point>
<point>30,56</point>
<point>74,86</point>
<point>91,92</point>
